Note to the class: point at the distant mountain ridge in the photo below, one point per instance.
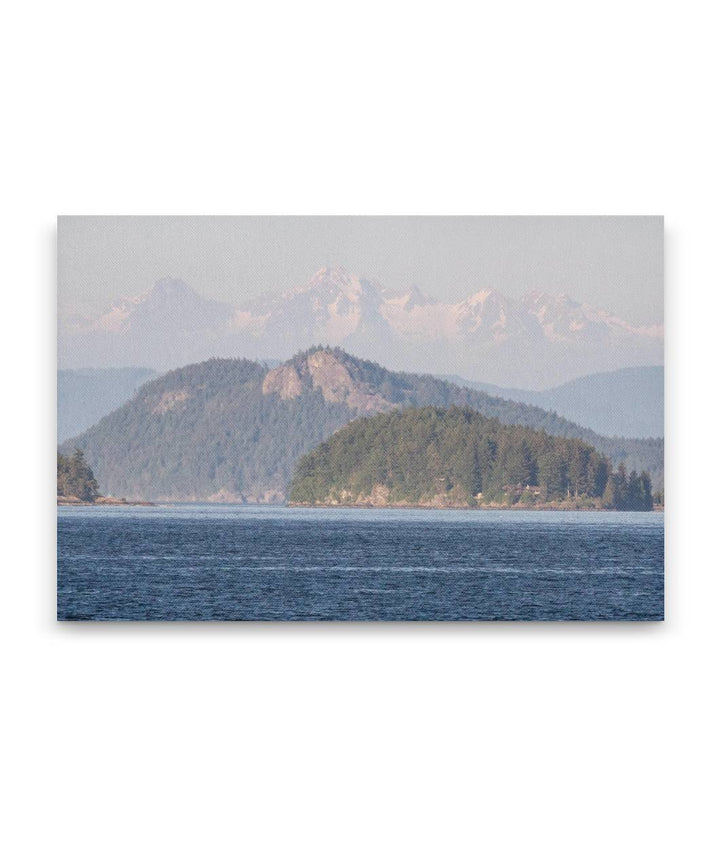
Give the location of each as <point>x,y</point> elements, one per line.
<point>537,340</point>
<point>233,430</point>
<point>84,396</point>
<point>626,403</point>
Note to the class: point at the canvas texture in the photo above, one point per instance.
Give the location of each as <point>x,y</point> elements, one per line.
<point>360,418</point>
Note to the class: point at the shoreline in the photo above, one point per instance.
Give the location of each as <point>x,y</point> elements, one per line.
<point>70,501</point>
<point>493,507</point>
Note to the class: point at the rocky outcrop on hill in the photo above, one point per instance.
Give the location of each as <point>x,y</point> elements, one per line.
<point>324,370</point>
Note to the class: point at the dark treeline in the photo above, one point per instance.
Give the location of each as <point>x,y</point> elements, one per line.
<point>75,478</point>
<point>629,493</point>
<point>420,454</point>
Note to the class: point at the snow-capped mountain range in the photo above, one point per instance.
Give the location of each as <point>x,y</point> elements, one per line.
<point>536,341</point>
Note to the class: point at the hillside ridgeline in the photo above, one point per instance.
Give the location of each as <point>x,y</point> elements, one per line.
<point>624,403</point>
<point>233,430</point>
<point>84,396</point>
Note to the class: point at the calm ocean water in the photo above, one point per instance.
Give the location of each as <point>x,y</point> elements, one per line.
<point>214,562</point>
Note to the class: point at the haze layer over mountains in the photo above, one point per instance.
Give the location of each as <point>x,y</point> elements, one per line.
<point>538,341</point>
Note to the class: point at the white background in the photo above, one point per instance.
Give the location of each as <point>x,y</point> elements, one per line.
<point>500,739</point>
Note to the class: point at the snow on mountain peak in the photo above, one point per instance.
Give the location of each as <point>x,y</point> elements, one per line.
<point>339,308</point>
<point>479,298</point>
<point>414,298</point>
<point>334,280</point>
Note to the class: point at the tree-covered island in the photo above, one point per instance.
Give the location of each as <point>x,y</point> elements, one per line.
<point>76,484</point>
<point>455,457</point>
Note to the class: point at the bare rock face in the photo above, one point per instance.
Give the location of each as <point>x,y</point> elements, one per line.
<point>378,497</point>
<point>171,399</point>
<point>324,371</point>
<point>284,380</point>
<point>263,496</point>
<point>225,495</point>
<point>330,375</point>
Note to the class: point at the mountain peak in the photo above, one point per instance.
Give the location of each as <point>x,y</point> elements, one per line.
<point>171,287</point>
<point>415,297</point>
<point>483,296</point>
<point>331,272</point>
<point>505,340</point>
<point>329,276</point>
<point>331,282</point>
<point>548,298</point>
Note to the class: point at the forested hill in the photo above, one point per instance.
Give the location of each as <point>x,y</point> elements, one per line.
<point>234,430</point>
<point>456,457</point>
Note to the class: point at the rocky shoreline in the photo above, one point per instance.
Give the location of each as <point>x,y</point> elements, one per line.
<point>496,506</point>
<point>101,500</point>
<point>490,506</point>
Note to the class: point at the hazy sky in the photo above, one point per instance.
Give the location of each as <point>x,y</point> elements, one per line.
<point>612,262</point>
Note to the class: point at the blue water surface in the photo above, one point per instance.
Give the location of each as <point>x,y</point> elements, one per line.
<point>228,562</point>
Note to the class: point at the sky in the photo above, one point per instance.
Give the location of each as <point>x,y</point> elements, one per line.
<point>615,263</point>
